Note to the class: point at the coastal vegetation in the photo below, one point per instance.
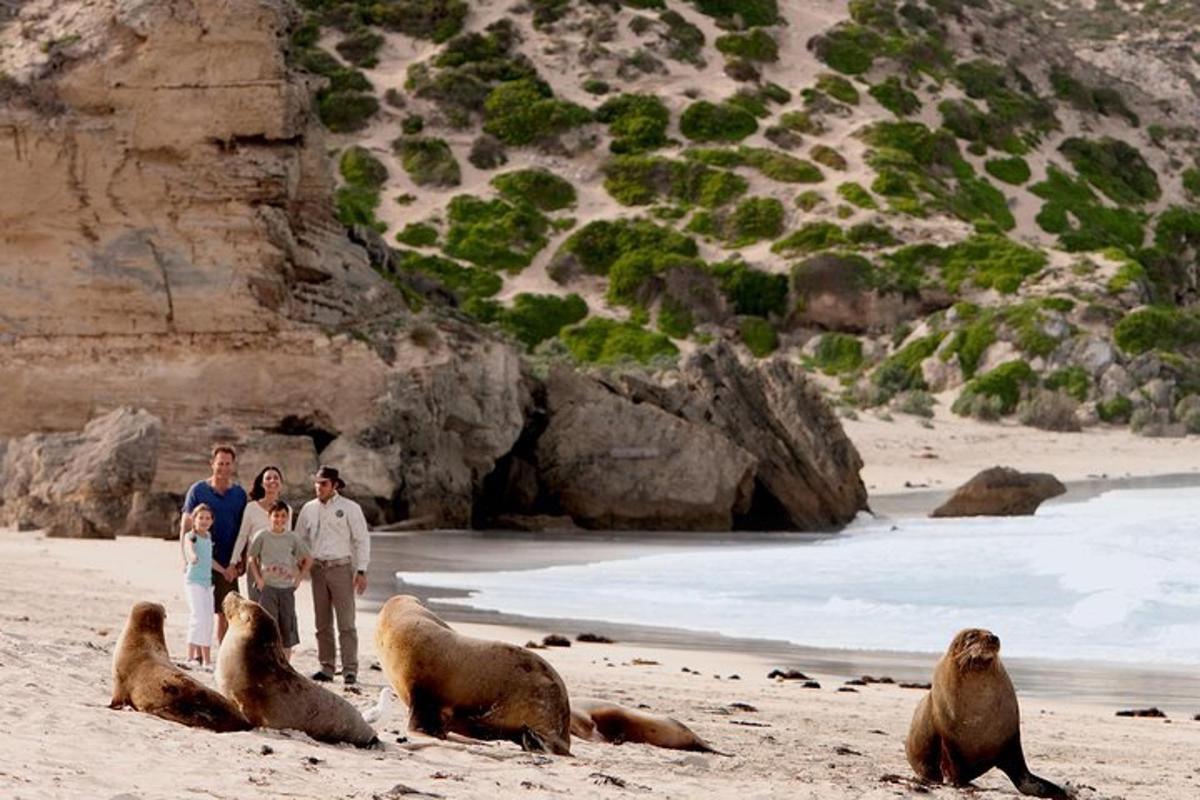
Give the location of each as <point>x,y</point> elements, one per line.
<point>915,163</point>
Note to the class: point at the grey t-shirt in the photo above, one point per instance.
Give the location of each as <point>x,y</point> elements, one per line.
<point>279,556</point>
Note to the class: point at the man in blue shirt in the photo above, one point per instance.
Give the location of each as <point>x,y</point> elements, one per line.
<point>227,501</point>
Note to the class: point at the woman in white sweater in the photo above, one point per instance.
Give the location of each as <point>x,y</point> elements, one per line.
<point>266,489</point>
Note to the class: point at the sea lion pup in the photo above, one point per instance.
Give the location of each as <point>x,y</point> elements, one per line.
<point>254,672</point>
<point>473,687</point>
<point>144,677</point>
<point>600,721</point>
<point>970,721</point>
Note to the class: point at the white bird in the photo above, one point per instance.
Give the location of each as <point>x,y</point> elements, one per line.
<point>383,709</point>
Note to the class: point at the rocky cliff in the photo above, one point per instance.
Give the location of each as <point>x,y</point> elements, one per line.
<point>168,243</point>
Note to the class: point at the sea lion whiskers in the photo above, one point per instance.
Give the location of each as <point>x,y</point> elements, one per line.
<point>975,648</point>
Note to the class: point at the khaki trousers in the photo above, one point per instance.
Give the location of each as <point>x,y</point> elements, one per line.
<point>333,593</point>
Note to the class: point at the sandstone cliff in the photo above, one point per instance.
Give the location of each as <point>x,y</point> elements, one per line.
<point>167,243</point>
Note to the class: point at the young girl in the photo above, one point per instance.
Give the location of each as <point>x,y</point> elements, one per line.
<point>198,582</point>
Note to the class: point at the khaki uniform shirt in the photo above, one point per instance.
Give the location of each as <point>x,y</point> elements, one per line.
<point>335,530</point>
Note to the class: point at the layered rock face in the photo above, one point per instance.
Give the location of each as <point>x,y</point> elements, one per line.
<point>167,244</point>
<point>721,444</point>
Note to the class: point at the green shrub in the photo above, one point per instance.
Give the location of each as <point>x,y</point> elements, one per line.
<point>1090,225</point>
<point>808,200</point>
<point>1116,410</point>
<point>355,205</point>
<point>675,320</point>
<point>802,122</point>
<point>534,318</point>
<point>418,234</point>
<point>428,161</point>
<point>751,13</point>
<point>1028,322</point>
<point>1012,170</point>
<point>637,122</point>
<point>346,112</point>
<point>837,353</point>
<point>751,102</point>
<point>838,88</point>
<point>1191,182</point>
<point>1157,327</point>
<point>598,244</point>
<point>1049,411</point>
<point>990,261</point>
<point>360,168</point>
<point>758,335</point>
<point>640,180</point>
<point>754,219</point>
<point>1099,100</point>
<point>547,12</point>
<point>752,292</point>
<point>596,86</point>
<point>869,234</point>
<point>703,121</point>
<point>341,78</point>
<point>683,40</point>
<point>918,403</point>
<point>810,238</point>
<point>1003,384</point>
<point>1072,380</point>
<point>901,371</point>
<point>756,45</point>
<point>781,167</point>
<point>537,187</point>
<point>823,154</point>
<point>425,19</point>
<point>971,342</point>
<point>1114,167</point>
<point>606,341</point>
<point>892,95</point>
<point>848,48</point>
<point>523,112</point>
<point>466,283</point>
<point>630,275</point>
<point>361,48</point>
<point>493,233</point>
<point>856,195</point>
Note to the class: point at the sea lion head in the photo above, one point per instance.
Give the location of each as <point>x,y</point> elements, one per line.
<point>974,648</point>
<point>249,619</point>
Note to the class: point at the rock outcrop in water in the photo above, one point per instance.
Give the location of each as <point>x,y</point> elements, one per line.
<point>169,245</point>
<point>1001,492</point>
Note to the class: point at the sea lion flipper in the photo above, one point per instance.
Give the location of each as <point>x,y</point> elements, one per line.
<point>425,714</point>
<point>1012,763</point>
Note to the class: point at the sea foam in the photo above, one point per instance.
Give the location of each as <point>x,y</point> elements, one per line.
<point>1114,578</point>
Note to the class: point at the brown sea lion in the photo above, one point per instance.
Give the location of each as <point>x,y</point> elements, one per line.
<point>144,677</point>
<point>600,721</point>
<point>254,672</point>
<point>970,721</point>
<point>473,687</point>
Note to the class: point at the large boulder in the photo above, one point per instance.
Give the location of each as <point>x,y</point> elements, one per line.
<point>610,463</point>
<point>1001,492</point>
<point>82,484</point>
<point>806,469</point>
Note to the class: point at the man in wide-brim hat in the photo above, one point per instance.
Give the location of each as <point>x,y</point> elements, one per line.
<point>335,531</point>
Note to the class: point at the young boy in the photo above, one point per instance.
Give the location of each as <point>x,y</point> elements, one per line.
<point>279,560</point>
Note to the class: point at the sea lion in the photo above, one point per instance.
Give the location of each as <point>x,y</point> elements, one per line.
<point>600,721</point>
<point>144,677</point>
<point>970,721</point>
<point>473,687</point>
<point>254,672</point>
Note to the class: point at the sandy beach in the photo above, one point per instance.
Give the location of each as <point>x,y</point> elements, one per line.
<point>67,600</point>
